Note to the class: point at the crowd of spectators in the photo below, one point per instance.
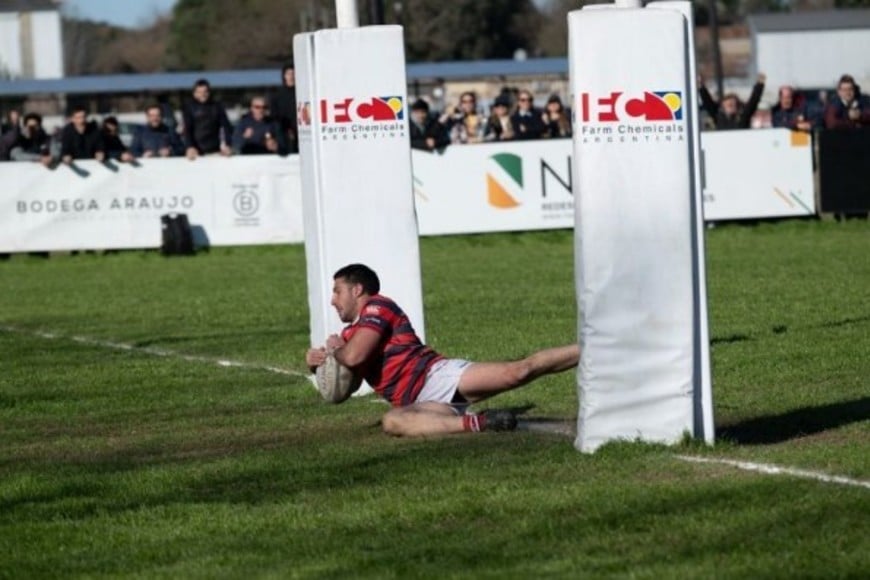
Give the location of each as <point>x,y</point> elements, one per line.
<point>205,130</point>
<point>512,116</point>
<point>270,125</point>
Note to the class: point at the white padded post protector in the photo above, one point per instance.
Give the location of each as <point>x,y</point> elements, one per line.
<point>355,156</point>
<point>644,368</point>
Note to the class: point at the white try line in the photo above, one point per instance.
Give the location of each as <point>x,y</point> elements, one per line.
<point>778,470</point>
<point>153,351</point>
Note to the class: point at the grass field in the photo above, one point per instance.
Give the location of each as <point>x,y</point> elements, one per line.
<point>141,462</point>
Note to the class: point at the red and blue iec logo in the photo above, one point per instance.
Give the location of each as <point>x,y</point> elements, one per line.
<point>617,107</point>
<point>362,110</point>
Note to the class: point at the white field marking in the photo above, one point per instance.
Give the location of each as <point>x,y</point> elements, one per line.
<point>778,470</point>
<point>153,351</point>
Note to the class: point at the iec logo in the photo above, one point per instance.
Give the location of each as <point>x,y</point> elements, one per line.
<point>506,172</point>
<point>354,110</point>
<point>619,107</point>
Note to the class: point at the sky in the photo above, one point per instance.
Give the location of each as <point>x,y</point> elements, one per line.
<point>127,13</point>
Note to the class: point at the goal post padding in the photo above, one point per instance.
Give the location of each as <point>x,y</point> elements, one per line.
<point>638,258</point>
<point>355,156</point>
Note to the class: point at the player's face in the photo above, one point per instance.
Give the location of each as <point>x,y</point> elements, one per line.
<point>344,297</point>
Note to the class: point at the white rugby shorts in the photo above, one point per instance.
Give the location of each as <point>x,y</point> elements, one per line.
<point>442,382</point>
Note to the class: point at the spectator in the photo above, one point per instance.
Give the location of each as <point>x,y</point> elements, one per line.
<point>156,139</point>
<point>9,130</point>
<point>849,109</point>
<point>283,106</point>
<point>167,114</point>
<point>31,143</point>
<point>426,132</point>
<point>13,121</point>
<point>527,120</point>
<point>256,133</point>
<point>500,127</point>
<point>556,120</point>
<point>464,123</point>
<point>114,147</point>
<point>730,112</point>
<point>790,111</point>
<point>207,128</point>
<point>80,138</point>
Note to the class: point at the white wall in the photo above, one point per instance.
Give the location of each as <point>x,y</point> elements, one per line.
<point>812,58</point>
<point>47,44</point>
<point>10,46</point>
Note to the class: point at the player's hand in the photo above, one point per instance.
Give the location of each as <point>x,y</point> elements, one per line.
<point>334,342</point>
<point>314,357</point>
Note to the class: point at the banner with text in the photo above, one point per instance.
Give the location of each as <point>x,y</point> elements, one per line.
<point>242,200</point>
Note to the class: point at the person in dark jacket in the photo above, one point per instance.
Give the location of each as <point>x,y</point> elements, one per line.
<point>730,113</point>
<point>426,132</point>
<point>790,111</point>
<point>31,143</point>
<point>282,105</point>
<point>256,133</point>
<point>527,120</point>
<point>81,139</point>
<point>207,128</point>
<point>115,148</point>
<point>156,139</point>
<point>849,109</point>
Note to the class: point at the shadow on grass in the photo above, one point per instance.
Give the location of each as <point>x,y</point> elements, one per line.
<point>798,423</point>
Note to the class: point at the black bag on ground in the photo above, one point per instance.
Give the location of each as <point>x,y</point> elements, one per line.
<point>177,236</point>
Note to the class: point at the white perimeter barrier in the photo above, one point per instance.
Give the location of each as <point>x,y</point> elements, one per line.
<point>760,173</point>
<point>242,200</point>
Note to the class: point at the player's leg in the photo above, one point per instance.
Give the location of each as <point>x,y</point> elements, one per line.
<point>422,419</point>
<point>483,380</point>
<point>430,419</point>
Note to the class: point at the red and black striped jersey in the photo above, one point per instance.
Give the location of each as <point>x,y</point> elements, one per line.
<point>397,369</point>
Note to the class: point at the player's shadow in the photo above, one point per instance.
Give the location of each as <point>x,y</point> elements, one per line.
<point>798,423</point>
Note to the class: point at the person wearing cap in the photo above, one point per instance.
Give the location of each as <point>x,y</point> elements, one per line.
<point>427,133</point>
<point>500,127</point>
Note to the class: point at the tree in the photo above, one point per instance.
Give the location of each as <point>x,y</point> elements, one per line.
<point>226,34</point>
<point>213,34</point>
<point>469,29</point>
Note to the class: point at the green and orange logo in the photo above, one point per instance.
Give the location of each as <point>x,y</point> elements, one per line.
<point>505,175</point>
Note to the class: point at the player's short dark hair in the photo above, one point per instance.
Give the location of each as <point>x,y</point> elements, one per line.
<point>202,83</point>
<point>360,274</point>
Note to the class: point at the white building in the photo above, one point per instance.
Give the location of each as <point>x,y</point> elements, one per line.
<point>31,46</point>
<point>811,50</point>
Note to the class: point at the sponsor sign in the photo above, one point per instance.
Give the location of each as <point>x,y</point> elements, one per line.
<point>470,189</point>
<point>240,200</point>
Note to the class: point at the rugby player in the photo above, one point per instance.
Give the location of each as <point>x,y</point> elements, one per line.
<point>430,394</point>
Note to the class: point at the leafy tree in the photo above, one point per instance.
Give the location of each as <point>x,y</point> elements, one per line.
<point>468,29</point>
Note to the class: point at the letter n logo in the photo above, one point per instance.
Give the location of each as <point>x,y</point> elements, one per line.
<point>505,174</point>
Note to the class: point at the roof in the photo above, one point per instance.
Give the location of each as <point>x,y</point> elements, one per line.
<point>27,5</point>
<point>241,79</point>
<point>810,20</point>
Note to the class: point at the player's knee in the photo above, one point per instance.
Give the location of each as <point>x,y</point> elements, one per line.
<point>518,373</point>
<point>394,422</point>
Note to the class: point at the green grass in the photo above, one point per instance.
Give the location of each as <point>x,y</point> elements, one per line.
<point>119,463</point>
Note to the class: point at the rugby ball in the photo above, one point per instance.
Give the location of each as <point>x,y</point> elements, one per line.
<point>335,382</point>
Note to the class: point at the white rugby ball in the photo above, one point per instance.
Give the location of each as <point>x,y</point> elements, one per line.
<point>336,382</point>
